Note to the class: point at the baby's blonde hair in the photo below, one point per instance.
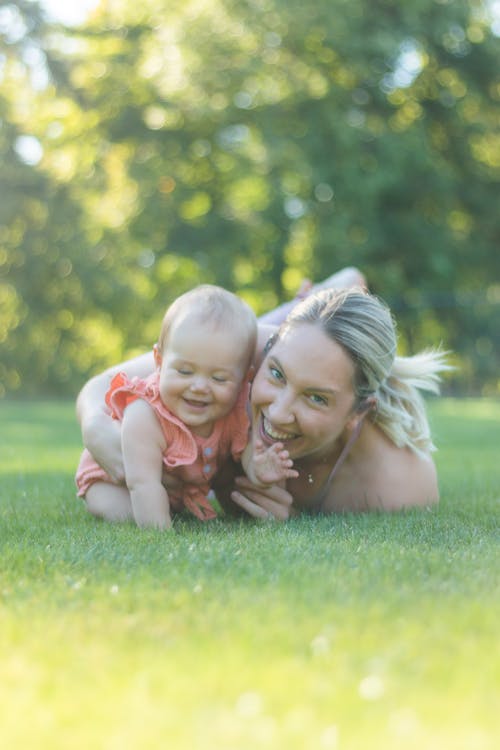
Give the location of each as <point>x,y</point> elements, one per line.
<point>215,306</point>
<point>362,324</point>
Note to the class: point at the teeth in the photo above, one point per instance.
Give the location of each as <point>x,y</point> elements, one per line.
<point>275,434</point>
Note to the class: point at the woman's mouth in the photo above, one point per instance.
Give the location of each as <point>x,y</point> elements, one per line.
<point>272,434</point>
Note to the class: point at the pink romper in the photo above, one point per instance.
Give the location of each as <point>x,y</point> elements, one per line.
<point>193,459</point>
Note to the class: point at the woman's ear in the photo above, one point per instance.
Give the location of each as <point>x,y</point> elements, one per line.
<point>368,404</point>
<point>157,355</point>
<point>364,407</point>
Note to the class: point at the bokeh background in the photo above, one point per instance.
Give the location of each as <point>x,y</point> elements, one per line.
<point>150,146</point>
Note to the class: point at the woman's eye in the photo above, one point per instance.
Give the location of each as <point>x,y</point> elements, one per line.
<point>275,373</point>
<point>317,399</point>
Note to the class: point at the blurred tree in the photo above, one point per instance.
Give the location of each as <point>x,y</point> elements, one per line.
<point>247,143</point>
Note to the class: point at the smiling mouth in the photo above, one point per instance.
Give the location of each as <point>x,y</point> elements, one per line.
<point>272,434</point>
<point>196,404</point>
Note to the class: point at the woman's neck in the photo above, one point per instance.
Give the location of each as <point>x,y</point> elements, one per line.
<point>317,472</point>
<point>322,460</point>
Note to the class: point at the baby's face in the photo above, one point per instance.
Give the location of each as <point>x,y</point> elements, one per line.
<point>202,370</point>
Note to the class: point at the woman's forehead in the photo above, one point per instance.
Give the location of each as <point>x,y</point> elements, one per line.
<point>308,354</point>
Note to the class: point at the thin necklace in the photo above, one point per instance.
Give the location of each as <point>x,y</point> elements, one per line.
<point>343,455</point>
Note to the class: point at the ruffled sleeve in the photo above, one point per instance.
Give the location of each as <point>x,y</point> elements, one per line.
<point>121,393</point>
<point>181,446</point>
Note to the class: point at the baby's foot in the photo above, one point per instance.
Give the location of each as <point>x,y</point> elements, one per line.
<point>344,279</point>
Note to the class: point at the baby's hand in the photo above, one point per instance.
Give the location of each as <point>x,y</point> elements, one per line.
<point>272,464</point>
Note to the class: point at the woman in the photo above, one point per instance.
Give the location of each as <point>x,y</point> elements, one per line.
<point>333,392</point>
<point>331,389</point>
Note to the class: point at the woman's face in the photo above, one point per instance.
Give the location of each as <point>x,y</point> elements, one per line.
<point>302,395</point>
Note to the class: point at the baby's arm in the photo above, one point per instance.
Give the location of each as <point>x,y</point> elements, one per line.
<point>267,465</point>
<point>143,444</point>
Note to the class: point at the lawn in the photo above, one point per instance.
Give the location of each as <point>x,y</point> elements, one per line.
<point>369,631</point>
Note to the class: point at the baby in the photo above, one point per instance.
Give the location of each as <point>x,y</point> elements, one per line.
<point>187,418</point>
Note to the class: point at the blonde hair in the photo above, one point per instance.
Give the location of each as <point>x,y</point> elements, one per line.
<point>215,306</point>
<point>363,325</point>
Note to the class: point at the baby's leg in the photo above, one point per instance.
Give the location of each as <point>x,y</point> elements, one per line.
<point>343,279</point>
<point>109,501</point>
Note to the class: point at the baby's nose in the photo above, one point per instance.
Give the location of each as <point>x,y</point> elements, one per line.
<point>199,383</point>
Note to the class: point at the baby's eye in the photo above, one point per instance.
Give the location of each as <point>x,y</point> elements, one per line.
<point>184,371</point>
<point>318,400</point>
<point>219,378</point>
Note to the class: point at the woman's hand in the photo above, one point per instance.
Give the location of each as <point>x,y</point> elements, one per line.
<point>102,437</point>
<point>269,503</point>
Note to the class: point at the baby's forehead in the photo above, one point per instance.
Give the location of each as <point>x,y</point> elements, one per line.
<point>228,325</point>
<point>194,334</point>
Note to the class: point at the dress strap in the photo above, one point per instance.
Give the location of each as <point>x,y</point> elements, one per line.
<point>338,463</point>
<point>345,451</point>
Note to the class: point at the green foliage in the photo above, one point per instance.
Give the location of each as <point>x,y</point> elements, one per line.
<point>247,143</point>
<point>362,631</point>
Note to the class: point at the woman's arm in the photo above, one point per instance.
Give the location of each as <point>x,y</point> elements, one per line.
<point>91,397</point>
<point>270,503</point>
<point>100,433</point>
<point>239,497</point>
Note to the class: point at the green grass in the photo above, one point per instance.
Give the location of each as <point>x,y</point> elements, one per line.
<point>364,632</point>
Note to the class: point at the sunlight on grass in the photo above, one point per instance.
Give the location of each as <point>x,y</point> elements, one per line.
<point>356,632</point>
<point>472,408</point>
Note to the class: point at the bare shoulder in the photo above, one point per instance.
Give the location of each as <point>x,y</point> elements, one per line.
<point>381,476</point>
<point>407,479</point>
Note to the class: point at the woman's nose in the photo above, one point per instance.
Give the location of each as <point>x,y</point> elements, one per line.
<point>280,410</point>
